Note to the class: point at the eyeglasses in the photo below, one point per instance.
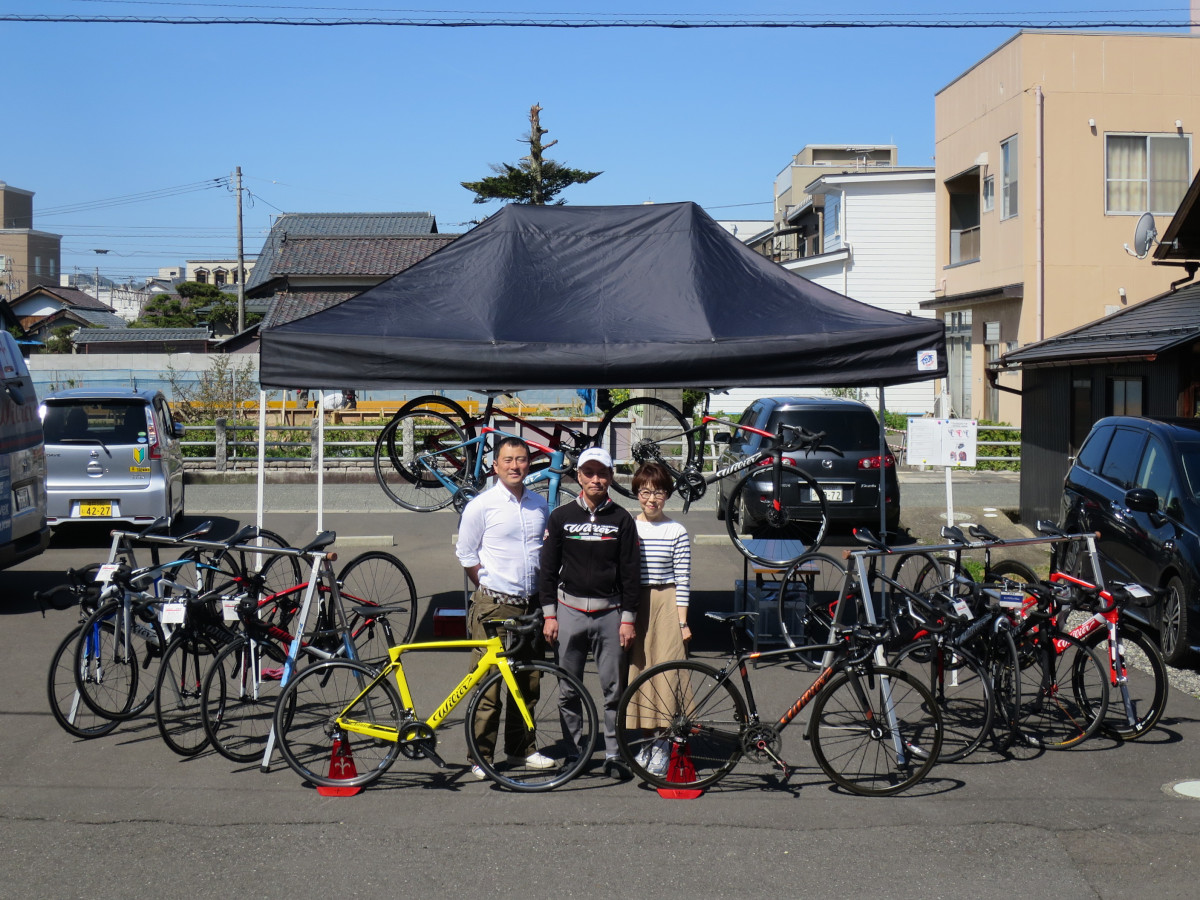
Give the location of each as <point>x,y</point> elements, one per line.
<point>652,495</point>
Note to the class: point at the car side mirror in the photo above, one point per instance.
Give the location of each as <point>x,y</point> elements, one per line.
<point>1143,500</point>
<point>177,429</point>
<point>722,437</point>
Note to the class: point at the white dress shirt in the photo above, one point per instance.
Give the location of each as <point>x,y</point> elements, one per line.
<point>503,536</point>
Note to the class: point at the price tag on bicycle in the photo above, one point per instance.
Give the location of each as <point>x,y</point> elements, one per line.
<point>174,613</point>
<point>229,609</point>
<point>105,573</point>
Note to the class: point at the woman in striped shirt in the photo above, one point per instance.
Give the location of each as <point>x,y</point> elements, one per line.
<point>662,627</point>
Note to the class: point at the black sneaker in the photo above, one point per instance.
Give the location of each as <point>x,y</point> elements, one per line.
<point>615,768</point>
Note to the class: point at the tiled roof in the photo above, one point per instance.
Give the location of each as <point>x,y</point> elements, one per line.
<point>294,225</point>
<point>357,256</point>
<point>100,319</point>
<point>297,304</point>
<point>76,299</point>
<point>115,335</point>
<point>1150,327</point>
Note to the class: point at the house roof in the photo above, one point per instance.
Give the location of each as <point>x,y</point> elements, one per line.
<point>296,304</point>
<point>1139,332</point>
<point>97,318</point>
<point>127,335</point>
<point>294,225</point>
<point>68,297</point>
<point>355,255</point>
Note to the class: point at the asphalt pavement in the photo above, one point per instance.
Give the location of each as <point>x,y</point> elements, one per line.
<point>121,816</point>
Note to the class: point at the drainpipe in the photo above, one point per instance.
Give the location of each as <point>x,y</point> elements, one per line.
<point>1039,223</point>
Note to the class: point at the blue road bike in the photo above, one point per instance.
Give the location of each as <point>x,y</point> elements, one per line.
<point>433,464</point>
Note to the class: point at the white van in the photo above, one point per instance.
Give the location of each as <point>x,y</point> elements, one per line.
<point>23,529</point>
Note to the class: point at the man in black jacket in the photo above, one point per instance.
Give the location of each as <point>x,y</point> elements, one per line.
<point>591,575</point>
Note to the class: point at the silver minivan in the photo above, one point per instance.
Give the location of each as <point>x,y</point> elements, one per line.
<point>111,455</point>
<point>23,529</point>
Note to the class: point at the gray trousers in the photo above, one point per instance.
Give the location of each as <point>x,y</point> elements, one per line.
<point>579,633</point>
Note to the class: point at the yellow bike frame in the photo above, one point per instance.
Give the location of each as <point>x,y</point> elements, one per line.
<point>493,657</point>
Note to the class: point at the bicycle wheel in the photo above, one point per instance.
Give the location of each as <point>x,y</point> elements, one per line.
<point>776,531</point>
<point>109,658</point>
<point>239,695</point>
<point>1135,705</point>
<point>178,693</point>
<point>998,651</point>
<point>808,595</point>
<point>66,703</point>
<point>1064,690</point>
<point>875,732</point>
<point>278,572</point>
<point>309,737</point>
<point>408,451</point>
<point>700,718</point>
<point>961,687</point>
<point>547,689</point>
<point>657,432</point>
<point>378,579</point>
<point>1012,570</point>
<point>444,406</point>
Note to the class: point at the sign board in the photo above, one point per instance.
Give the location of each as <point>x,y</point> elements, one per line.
<point>942,442</point>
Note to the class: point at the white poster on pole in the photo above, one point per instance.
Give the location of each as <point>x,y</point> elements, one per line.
<point>942,442</point>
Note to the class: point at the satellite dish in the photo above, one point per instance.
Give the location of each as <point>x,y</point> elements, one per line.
<point>1144,236</point>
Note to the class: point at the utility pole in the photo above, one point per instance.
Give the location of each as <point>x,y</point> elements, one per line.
<point>241,260</point>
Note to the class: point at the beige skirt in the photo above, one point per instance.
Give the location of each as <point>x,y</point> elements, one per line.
<point>659,639</point>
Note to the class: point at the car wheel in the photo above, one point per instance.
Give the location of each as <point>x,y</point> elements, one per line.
<point>1173,623</point>
<point>720,507</point>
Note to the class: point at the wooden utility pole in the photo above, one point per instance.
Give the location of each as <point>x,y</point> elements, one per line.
<point>241,260</point>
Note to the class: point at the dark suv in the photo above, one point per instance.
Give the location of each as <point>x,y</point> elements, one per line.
<point>849,478</point>
<point>1137,481</point>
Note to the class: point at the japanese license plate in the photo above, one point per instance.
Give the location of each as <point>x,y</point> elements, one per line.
<point>95,508</point>
<point>832,495</point>
<point>23,497</point>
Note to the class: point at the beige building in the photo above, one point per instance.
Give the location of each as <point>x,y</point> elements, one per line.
<point>1048,151</point>
<point>28,258</point>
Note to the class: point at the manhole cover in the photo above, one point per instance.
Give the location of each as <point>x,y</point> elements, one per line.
<point>1187,788</point>
<point>958,516</point>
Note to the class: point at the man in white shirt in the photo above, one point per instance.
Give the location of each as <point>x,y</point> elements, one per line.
<point>499,544</point>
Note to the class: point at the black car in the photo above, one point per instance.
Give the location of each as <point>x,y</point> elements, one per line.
<point>1136,481</point>
<point>849,477</point>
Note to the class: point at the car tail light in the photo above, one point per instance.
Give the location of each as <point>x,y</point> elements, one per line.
<point>770,459</point>
<point>152,433</point>
<point>872,462</point>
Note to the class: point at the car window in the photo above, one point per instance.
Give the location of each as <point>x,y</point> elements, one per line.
<point>1155,473</point>
<point>110,421</point>
<point>1092,453</point>
<point>855,430</point>
<point>1189,462</point>
<point>1121,460</point>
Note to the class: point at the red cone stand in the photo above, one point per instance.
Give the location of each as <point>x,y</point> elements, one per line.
<point>682,771</point>
<point>341,765</point>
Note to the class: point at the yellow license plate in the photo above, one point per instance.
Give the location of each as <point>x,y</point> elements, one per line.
<point>95,509</point>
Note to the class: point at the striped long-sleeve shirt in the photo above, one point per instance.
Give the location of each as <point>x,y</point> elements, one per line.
<point>666,556</point>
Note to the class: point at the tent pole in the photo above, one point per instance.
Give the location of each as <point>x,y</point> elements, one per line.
<point>321,461</point>
<point>883,465</point>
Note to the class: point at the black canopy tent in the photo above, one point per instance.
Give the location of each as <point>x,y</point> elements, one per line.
<point>604,296</point>
<point>646,296</point>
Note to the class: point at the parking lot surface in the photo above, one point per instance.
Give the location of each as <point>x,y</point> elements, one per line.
<point>122,816</point>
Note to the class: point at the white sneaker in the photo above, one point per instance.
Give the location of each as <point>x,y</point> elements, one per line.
<point>534,760</point>
<point>660,759</point>
<point>478,773</point>
<point>643,755</point>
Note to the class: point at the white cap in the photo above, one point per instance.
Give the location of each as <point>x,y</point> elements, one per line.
<point>595,454</point>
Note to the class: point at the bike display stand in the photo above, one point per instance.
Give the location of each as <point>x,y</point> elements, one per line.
<point>682,771</point>
<point>341,765</point>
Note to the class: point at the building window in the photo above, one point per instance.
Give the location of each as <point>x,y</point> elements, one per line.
<point>37,265</point>
<point>989,193</point>
<point>201,276</point>
<point>1125,396</point>
<point>833,223</point>
<point>52,267</point>
<point>1008,178</point>
<point>964,217</point>
<point>219,277</point>
<point>958,361</point>
<point>992,351</point>
<point>1146,172</point>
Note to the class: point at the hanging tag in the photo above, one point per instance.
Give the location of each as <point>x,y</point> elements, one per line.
<point>105,573</point>
<point>229,609</point>
<point>961,607</point>
<point>174,613</point>
<point>1011,601</point>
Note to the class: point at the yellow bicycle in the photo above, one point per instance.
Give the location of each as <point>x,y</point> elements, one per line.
<point>342,724</point>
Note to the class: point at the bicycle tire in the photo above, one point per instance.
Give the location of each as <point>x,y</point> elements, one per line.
<point>451,409</point>
<point>568,488</point>
<point>960,686</point>
<point>376,578</point>
<point>660,433</point>
<point>178,691</point>
<point>856,746</point>
<point>999,655</point>
<point>278,572</point>
<point>239,696</point>
<point>776,544</point>
<point>112,694</point>
<point>1146,685</point>
<point>66,703</point>
<point>1012,570</point>
<point>1064,690</point>
<point>402,478</point>
<point>807,593</point>
<point>555,687</point>
<point>306,729</point>
<point>701,718</point>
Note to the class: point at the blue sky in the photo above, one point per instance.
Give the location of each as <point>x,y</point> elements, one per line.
<point>387,119</point>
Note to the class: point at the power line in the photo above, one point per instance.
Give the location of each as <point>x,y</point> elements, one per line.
<point>595,23</point>
<point>142,197</point>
